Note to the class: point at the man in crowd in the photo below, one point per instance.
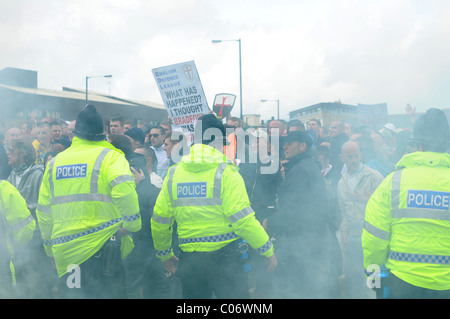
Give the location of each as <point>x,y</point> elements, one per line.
<point>151,164</point>
<point>145,275</point>
<point>314,127</point>
<point>42,142</point>
<point>116,126</point>
<point>300,224</point>
<point>295,125</point>
<point>12,134</point>
<point>357,184</point>
<point>57,136</point>
<point>157,136</point>
<point>136,136</point>
<point>70,129</point>
<point>127,124</point>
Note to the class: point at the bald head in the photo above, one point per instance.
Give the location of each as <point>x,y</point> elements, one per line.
<point>351,156</point>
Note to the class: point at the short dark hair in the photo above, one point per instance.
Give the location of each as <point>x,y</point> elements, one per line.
<point>160,128</point>
<point>117,119</point>
<point>122,142</point>
<point>299,136</point>
<point>295,123</point>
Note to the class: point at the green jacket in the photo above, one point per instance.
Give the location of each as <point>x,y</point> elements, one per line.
<point>87,194</point>
<point>206,196</point>
<point>407,221</point>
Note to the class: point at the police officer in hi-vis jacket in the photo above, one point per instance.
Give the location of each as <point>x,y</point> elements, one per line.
<point>87,207</point>
<point>205,195</point>
<point>407,220</point>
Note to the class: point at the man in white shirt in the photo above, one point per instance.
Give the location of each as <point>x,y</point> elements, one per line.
<point>157,136</point>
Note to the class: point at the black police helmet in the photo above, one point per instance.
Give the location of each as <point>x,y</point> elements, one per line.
<point>89,125</point>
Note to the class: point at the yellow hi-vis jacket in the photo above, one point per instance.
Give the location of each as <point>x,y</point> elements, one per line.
<point>17,224</point>
<point>206,196</point>
<point>407,221</point>
<point>87,194</point>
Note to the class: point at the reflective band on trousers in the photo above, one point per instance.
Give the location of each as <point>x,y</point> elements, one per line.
<point>208,239</point>
<point>419,258</point>
<point>217,188</point>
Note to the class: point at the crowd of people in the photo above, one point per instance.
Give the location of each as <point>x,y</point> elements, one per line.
<point>312,206</point>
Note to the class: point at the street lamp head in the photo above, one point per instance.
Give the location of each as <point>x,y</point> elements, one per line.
<point>216,41</point>
<point>99,76</point>
<point>263,100</point>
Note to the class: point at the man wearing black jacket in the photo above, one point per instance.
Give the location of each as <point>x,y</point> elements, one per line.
<point>145,275</point>
<point>300,225</point>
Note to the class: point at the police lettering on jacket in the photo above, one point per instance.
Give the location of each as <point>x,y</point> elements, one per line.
<point>196,189</point>
<point>428,199</point>
<point>71,171</point>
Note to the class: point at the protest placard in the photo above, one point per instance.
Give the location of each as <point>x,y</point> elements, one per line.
<point>182,93</point>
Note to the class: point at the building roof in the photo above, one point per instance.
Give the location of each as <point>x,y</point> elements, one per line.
<point>76,94</point>
<point>324,104</point>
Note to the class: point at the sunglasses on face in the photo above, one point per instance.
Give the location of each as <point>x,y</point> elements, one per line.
<point>154,135</point>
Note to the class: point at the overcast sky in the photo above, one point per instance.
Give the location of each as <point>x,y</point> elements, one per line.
<point>300,52</point>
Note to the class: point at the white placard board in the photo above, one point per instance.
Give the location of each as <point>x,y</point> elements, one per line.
<point>182,93</point>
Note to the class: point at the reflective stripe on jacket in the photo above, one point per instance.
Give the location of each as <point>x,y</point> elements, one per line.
<point>206,196</point>
<point>407,221</point>
<point>87,194</point>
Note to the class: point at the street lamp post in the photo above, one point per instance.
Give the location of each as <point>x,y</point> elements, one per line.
<point>90,77</point>
<point>278,106</point>
<point>240,72</point>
